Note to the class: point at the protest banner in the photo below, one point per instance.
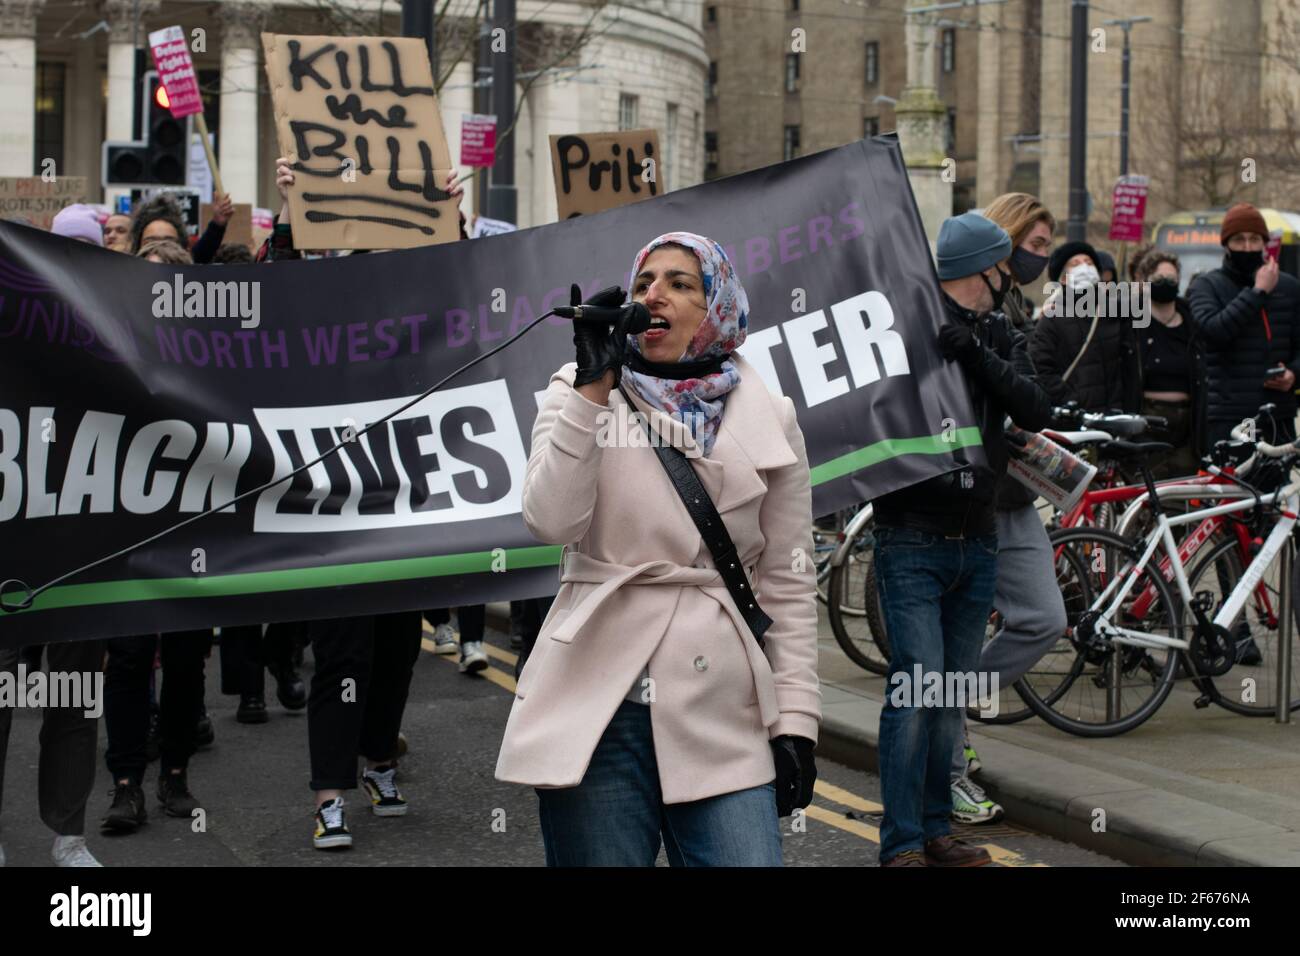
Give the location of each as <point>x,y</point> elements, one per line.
<point>478,139</point>
<point>134,395</point>
<point>1128,209</point>
<point>359,118</point>
<point>598,171</point>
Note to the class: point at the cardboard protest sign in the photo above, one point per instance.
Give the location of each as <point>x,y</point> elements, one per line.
<point>360,121</point>
<point>38,200</point>
<point>239,229</point>
<point>598,171</point>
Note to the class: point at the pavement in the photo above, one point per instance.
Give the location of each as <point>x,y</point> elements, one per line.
<point>1187,788</point>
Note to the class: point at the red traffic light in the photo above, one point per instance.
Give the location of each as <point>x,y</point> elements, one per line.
<point>160,97</point>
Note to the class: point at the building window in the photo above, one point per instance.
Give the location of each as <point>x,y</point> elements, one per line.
<point>949,50</point>
<point>870,126</point>
<point>711,14</point>
<point>712,90</point>
<point>873,63</point>
<point>49,115</point>
<point>792,72</point>
<point>710,155</point>
<point>670,149</point>
<point>627,111</point>
<point>791,142</point>
<point>952,131</point>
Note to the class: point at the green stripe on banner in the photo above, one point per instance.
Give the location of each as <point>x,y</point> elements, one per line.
<point>892,448</point>
<point>404,569</point>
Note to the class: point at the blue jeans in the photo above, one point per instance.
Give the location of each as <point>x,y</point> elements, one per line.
<point>617,816</point>
<point>935,594</point>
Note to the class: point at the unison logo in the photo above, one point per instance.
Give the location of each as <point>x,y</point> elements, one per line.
<point>76,909</point>
<point>179,299</point>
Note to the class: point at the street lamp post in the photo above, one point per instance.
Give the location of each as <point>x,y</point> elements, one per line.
<point>1125,24</point>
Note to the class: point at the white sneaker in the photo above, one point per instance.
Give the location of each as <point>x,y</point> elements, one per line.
<point>72,851</point>
<point>444,640</point>
<point>472,658</point>
<point>970,804</point>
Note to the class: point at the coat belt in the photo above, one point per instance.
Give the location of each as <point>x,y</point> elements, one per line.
<point>581,568</point>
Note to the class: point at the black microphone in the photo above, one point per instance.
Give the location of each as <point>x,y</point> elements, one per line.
<point>634,316</point>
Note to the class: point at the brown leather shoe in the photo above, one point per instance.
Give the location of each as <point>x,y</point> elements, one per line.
<point>949,851</point>
<point>906,858</point>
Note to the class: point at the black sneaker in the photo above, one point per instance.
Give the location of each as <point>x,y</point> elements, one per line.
<point>174,794</point>
<point>251,710</point>
<point>332,831</point>
<point>127,811</point>
<point>381,787</point>
<point>204,735</point>
<point>1248,654</point>
<point>289,688</point>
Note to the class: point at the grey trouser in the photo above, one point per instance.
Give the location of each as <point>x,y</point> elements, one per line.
<point>68,741</point>
<point>1028,600</point>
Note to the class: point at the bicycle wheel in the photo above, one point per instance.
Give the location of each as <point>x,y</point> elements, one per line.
<point>1247,689</point>
<point>1111,688</point>
<point>853,588</point>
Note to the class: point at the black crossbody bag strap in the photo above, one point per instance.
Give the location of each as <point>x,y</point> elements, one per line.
<point>711,527</point>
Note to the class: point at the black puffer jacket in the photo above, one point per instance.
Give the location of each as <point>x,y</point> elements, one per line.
<point>1001,384</point>
<point>1108,376</point>
<point>1245,333</point>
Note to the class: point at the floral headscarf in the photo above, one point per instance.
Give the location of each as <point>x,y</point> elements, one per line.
<point>698,402</point>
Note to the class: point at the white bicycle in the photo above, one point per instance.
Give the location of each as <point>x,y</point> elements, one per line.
<point>1134,637</point>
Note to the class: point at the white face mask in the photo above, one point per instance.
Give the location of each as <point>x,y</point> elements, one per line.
<point>1082,276</point>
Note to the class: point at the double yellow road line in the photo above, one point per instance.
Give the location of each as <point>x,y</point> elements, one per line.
<point>827,791</point>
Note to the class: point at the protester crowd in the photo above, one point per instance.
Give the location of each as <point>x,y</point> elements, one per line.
<point>724,754</point>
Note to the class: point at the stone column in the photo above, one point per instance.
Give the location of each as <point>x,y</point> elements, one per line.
<point>922,128</point>
<point>18,86</point>
<point>241,25</point>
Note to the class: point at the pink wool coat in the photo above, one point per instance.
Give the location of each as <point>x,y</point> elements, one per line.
<point>639,590</point>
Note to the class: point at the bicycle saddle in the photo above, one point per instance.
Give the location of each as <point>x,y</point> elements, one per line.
<point>1133,449</point>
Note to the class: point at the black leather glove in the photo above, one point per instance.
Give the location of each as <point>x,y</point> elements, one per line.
<point>796,772</point>
<point>958,342</point>
<point>599,348</point>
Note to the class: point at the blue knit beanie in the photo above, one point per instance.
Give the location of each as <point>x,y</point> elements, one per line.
<point>968,244</point>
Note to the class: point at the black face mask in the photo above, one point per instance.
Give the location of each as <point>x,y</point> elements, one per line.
<point>1246,262</point>
<point>1027,266</point>
<point>1000,293</point>
<point>1164,289</point>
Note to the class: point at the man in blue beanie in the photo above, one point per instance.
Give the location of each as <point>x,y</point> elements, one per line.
<point>936,553</point>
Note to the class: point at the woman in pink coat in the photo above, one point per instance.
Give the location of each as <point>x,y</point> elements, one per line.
<point>647,710</point>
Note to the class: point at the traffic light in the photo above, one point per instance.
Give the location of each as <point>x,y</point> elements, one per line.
<point>162,156</point>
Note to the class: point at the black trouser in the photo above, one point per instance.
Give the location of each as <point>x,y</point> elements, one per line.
<point>531,614</point>
<point>471,621</point>
<point>66,773</point>
<point>377,654</point>
<point>126,700</point>
<point>246,654</point>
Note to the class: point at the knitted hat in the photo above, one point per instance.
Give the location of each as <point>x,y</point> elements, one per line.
<point>1242,217</point>
<point>968,244</point>
<point>1063,254</point>
<point>78,221</point>
<point>1105,261</point>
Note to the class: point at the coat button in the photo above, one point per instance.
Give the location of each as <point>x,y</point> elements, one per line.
<point>701,663</point>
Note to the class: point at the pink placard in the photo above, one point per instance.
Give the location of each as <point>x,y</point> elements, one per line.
<point>171,57</point>
<point>478,139</point>
<point>1128,209</point>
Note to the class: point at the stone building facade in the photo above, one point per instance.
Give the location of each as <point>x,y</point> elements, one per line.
<point>66,72</point>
